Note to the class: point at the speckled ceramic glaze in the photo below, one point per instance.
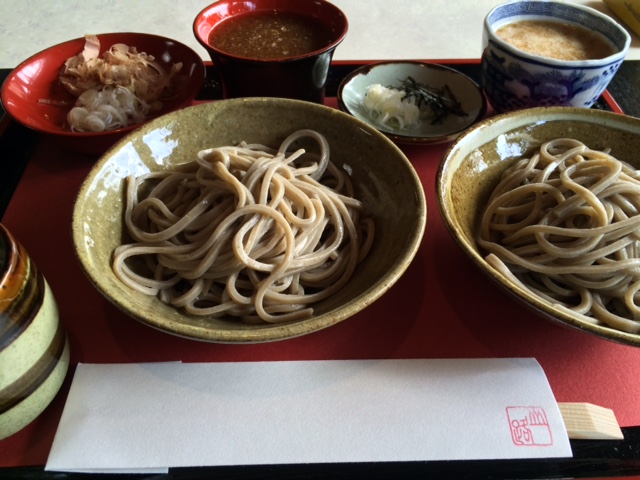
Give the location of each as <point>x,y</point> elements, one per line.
<point>36,79</point>
<point>34,352</point>
<point>513,79</point>
<point>383,178</point>
<point>473,164</point>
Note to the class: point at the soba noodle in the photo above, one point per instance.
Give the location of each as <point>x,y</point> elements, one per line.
<point>566,224</point>
<point>245,231</point>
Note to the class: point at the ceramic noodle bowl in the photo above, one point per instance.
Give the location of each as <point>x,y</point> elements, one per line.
<point>473,165</point>
<point>383,180</point>
<point>514,79</point>
<point>34,349</point>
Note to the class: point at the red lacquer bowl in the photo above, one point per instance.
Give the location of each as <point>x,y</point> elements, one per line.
<point>36,79</point>
<point>301,77</point>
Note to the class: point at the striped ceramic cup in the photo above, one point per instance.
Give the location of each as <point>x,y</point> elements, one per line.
<point>34,350</point>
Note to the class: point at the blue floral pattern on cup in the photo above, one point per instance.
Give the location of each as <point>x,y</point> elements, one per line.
<point>510,84</point>
<point>513,79</point>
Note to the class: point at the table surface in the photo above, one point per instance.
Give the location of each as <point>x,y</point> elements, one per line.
<point>580,367</point>
<point>433,323</point>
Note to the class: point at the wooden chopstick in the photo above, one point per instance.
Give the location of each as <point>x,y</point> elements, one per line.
<point>585,421</point>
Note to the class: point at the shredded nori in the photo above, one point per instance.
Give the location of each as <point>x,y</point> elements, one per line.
<point>442,101</point>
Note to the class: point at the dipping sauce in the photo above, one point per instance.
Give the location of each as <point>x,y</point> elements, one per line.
<point>270,35</point>
<point>557,40</point>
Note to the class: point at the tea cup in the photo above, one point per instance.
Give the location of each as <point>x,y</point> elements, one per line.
<point>513,78</point>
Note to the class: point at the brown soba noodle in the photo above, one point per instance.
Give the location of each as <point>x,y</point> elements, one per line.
<point>245,231</point>
<point>566,224</point>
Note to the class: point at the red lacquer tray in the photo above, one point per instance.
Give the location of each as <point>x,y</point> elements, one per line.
<point>442,307</point>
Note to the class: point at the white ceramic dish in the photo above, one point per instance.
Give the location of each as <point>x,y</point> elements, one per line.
<point>353,88</point>
<point>36,79</point>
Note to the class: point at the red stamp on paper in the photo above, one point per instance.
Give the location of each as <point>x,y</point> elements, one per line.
<point>529,426</point>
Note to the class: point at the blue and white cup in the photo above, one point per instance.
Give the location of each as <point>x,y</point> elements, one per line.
<point>514,79</point>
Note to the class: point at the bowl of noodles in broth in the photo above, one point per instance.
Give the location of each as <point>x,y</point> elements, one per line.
<point>248,220</point>
<point>546,203</point>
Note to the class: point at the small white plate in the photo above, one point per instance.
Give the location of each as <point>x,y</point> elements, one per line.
<point>353,88</point>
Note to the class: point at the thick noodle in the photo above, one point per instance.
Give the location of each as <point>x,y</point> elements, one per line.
<point>566,224</point>
<point>245,231</point>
